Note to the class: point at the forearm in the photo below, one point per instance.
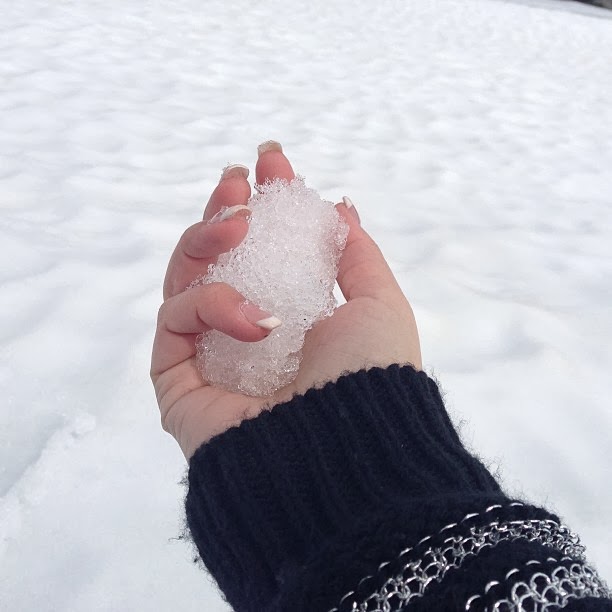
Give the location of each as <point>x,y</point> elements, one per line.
<point>301,506</point>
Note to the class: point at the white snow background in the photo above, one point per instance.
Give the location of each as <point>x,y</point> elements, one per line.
<point>475,137</point>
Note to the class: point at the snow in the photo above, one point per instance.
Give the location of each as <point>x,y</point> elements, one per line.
<point>304,236</point>
<point>475,138</point>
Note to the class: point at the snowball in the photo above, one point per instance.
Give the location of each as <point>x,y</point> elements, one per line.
<point>287,265</point>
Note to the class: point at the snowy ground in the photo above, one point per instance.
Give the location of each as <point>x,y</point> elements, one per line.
<point>475,137</point>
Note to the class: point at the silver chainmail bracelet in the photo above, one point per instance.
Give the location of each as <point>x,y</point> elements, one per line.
<point>546,590</point>
<point>417,574</point>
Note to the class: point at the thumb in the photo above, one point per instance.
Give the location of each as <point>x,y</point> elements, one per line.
<point>362,270</point>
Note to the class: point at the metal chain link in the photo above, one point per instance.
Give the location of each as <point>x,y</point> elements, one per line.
<point>417,575</point>
<point>468,517</point>
<point>547,591</point>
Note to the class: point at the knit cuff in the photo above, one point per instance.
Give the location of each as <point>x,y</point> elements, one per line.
<point>265,497</point>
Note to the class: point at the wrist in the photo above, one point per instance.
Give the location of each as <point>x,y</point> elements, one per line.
<point>267,497</point>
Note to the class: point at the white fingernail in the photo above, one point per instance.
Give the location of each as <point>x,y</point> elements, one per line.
<point>269,145</point>
<point>258,316</point>
<point>227,213</point>
<point>234,170</point>
<point>269,323</point>
<point>347,201</point>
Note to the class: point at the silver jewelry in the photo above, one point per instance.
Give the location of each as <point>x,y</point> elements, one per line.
<point>416,575</point>
<point>547,590</point>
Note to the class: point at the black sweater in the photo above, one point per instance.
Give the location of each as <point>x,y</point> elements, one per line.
<point>362,494</point>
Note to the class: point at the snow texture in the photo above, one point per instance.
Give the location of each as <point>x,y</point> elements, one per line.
<point>475,138</point>
<point>286,265</point>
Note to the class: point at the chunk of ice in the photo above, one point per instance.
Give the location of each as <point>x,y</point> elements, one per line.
<point>287,265</point>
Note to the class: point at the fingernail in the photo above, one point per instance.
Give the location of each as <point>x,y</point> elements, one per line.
<point>255,315</point>
<point>269,145</point>
<point>227,212</point>
<point>351,208</point>
<point>235,170</point>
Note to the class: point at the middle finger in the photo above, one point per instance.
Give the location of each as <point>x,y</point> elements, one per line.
<point>233,189</point>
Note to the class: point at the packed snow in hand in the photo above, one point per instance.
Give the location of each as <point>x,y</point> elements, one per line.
<point>286,265</point>
<point>475,138</point>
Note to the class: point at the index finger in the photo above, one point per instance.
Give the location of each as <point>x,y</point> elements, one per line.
<point>272,163</point>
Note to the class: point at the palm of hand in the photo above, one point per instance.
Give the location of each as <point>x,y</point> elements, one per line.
<point>359,334</point>
<point>375,327</point>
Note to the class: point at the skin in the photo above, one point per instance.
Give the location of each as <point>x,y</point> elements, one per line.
<point>376,326</point>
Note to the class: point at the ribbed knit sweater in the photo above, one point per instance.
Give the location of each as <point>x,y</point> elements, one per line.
<point>362,494</point>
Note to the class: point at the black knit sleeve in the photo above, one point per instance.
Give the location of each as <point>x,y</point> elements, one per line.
<point>361,496</point>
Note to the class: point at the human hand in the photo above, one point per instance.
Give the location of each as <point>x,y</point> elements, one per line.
<point>376,326</point>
